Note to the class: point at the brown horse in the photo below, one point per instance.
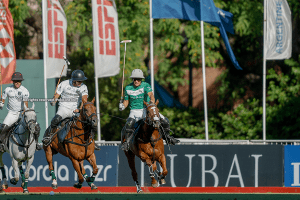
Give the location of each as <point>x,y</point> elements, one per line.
<point>78,145</point>
<point>149,147</point>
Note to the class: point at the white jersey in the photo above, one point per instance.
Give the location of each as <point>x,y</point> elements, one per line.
<point>15,97</point>
<point>71,96</point>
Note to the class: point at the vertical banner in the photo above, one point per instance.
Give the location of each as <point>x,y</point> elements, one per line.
<point>106,38</point>
<point>55,39</point>
<point>279,30</point>
<point>7,46</point>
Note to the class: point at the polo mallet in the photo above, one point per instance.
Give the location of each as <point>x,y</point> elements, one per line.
<point>66,63</point>
<point>124,41</point>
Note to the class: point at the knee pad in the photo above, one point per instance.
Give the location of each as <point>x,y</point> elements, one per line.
<point>55,121</point>
<point>130,124</point>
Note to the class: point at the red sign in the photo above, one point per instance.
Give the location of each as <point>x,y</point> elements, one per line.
<point>7,44</point>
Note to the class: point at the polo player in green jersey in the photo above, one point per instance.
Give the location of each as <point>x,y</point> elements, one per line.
<point>135,94</point>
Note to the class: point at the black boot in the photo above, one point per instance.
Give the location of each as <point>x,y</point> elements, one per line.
<point>125,145</point>
<point>3,136</point>
<point>50,130</point>
<point>129,130</point>
<point>166,132</point>
<point>36,137</point>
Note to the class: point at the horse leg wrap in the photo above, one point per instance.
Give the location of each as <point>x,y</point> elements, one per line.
<point>151,172</point>
<point>91,179</point>
<point>52,174</point>
<point>22,173</point>
<point>25,184</point>
<point>3,173</point>
<point>85,176</point>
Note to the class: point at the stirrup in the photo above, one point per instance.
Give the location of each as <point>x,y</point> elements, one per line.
<point>38,147</point>
<point>46,141</point>
<point>125,146</point>
<point>2,147</point>
<point>97,147</point>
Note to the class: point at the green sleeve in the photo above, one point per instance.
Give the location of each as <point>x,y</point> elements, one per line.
<point>126,95</point>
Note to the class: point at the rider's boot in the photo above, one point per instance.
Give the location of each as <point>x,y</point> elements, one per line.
<point>3,135</point>
<point>51,130</point>
<point>36,137</point>
<point>166,135</point>
<point>129,130</point>
<point>97,147</point>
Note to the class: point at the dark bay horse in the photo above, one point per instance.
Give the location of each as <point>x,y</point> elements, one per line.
<point>78,145</point>
<point>147,144</point>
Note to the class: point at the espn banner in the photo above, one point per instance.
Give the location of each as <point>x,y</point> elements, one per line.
<point>106,38</point>
<point>7,44</point>
<point>279,30</point>
<point>55,38</point>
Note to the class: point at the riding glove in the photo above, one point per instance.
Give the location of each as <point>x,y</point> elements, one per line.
<point>121,107</point>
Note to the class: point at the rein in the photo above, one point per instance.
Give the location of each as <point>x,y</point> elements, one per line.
<point>85,123</point>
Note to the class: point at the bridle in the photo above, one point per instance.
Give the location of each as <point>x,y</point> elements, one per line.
<point>156,119</point>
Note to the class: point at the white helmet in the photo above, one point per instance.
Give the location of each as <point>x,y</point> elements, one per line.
<point>137,73</point>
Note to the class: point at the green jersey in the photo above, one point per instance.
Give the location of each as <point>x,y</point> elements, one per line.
<point>137,95</point>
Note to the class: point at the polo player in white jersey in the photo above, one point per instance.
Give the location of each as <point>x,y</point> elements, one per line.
<point>72,92</point>
<point>15,94</point>
<point>135,94</point>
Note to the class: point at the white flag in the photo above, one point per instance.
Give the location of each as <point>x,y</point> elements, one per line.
<point>279,30</point>
<point>55,38</point>
<point>106,38</point>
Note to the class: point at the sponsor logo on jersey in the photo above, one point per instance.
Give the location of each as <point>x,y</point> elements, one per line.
<point>135,92</point>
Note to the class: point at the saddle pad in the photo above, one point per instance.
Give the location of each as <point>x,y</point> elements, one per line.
<point>62,133</point>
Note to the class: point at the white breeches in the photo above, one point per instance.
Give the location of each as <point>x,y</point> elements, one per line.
<point>138,114</point>
<point>64,112</point>
<point>11,117</point>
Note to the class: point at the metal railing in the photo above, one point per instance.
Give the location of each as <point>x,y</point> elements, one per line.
<point>187,141</point>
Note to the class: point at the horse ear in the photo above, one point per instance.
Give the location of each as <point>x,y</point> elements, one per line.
<point>32,107</point>
<point>25,107</point>
<point>157,101</point>
<point>84,100</point>
<point>145,103</point>
<point>93,101</point>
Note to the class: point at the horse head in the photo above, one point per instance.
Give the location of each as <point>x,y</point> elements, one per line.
<point>30,118</point>
<point>152,116</point>
<point>89,113</point>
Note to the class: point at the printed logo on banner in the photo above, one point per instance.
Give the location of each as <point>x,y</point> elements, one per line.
<point>66,175</point>
<point>291,166</point>
<point>213,166</point>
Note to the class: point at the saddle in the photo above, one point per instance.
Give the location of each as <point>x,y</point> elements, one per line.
<point>63,129</point>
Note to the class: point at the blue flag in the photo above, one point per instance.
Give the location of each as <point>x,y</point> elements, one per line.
<point>197,10</point>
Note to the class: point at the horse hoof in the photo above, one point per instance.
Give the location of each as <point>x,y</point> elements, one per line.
<point>25,191</point>
<point>93,187</point>
<point>13,181</point>
<point>77,185</point>
<point>155,185</point>
<point>54,186</point>
<point>162,181</point>
<point>4,186</point>
<point>140,191</point>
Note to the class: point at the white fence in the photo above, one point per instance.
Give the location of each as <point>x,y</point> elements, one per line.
<point>187,141</point>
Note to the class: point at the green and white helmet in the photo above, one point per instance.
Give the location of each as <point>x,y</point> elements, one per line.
<point>137,73</point>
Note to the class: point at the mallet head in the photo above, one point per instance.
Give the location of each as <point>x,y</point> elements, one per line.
<point>66,60</point>
<point>125,41</point>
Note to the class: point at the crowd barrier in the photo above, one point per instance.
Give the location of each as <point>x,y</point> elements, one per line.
<point>263,165</point>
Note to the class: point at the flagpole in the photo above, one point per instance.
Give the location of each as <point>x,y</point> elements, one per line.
<point>204,81</point>
<point>96,79</point>
<point>264,70</point>
<point>44,8</point>
<point>151,47</point>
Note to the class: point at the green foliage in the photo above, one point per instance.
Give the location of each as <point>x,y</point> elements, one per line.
<point>175,43</point>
